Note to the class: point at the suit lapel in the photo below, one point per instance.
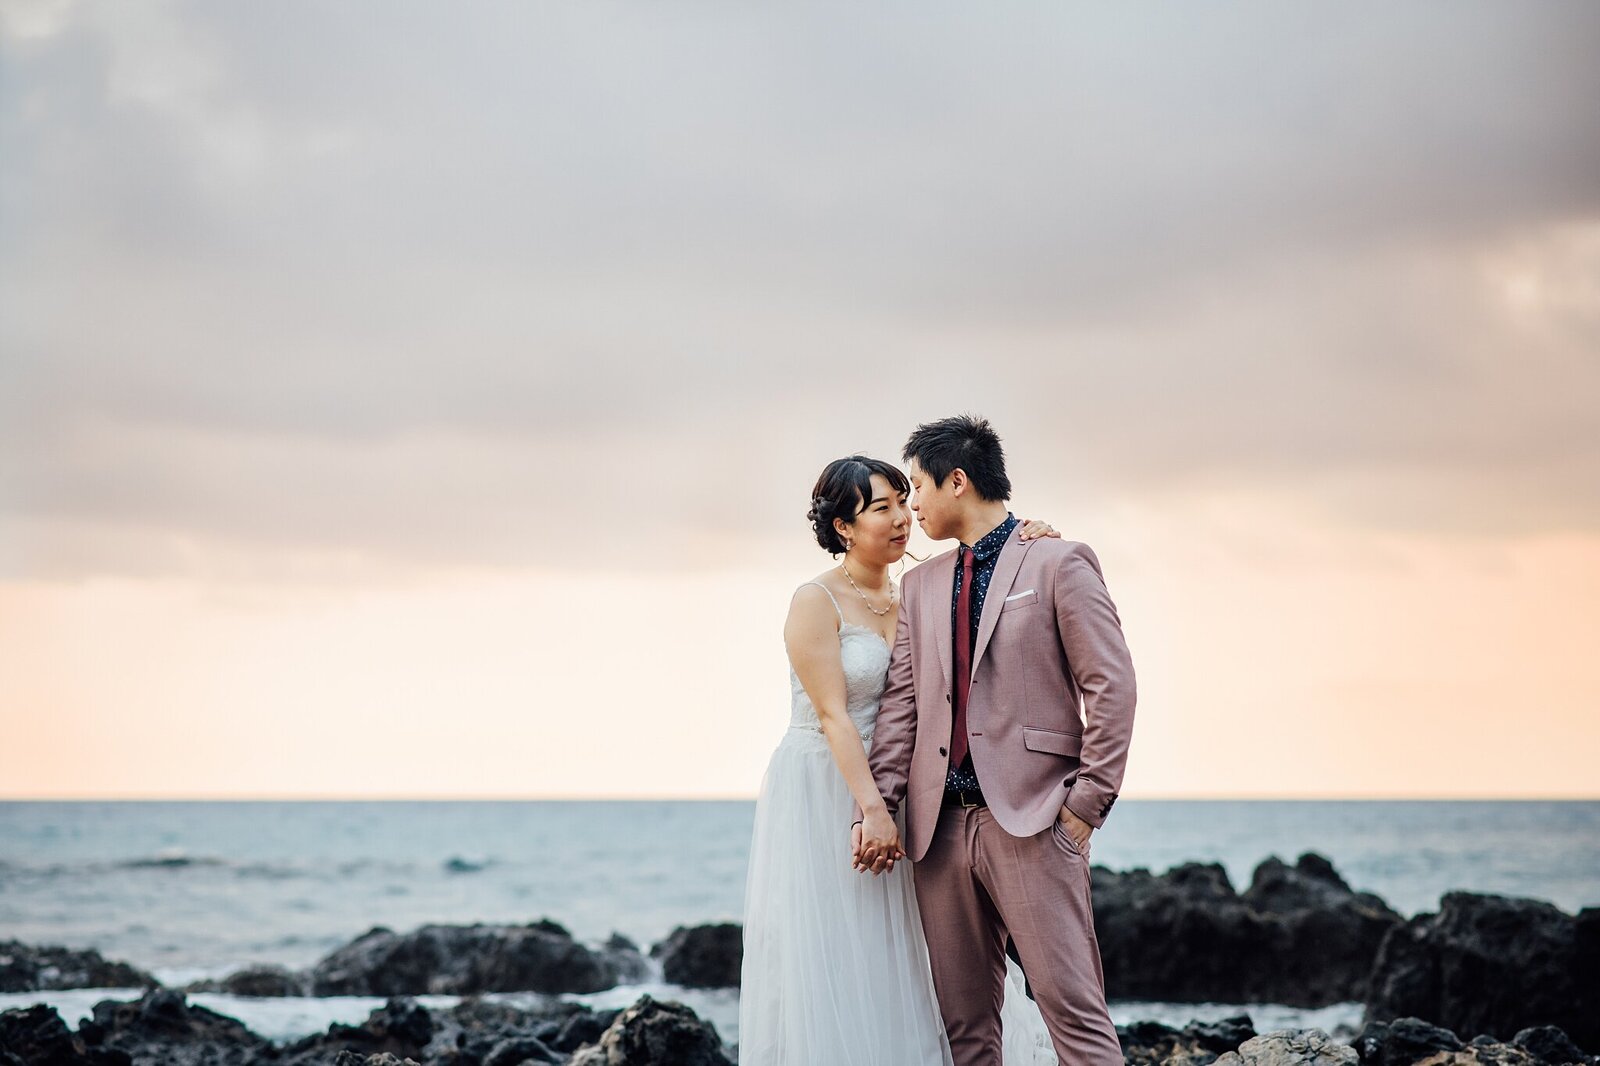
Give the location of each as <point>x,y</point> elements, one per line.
<point>937,612</point>
<point>1000,582</point>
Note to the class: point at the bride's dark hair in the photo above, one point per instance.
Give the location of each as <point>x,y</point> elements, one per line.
<point>843,491</point>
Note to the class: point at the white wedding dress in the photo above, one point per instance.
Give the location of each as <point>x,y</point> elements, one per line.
<point>835,963</point>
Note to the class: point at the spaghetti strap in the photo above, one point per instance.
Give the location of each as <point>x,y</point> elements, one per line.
<point>829,591</point>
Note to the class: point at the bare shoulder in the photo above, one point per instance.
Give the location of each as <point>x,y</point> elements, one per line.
<point>812,606</point>
<point>813,593</point>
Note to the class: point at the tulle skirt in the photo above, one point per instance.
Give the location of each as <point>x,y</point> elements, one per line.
<point>835,963</point>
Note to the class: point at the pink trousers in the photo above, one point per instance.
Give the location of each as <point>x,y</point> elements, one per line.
<point>977,884</point>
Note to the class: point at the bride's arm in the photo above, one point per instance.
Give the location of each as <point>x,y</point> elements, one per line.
<point>811,636</point>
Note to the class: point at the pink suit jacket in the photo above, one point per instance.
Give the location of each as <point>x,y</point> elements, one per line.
<point>1050,710</point>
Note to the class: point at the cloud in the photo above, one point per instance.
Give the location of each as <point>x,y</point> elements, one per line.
<point>423,285</point>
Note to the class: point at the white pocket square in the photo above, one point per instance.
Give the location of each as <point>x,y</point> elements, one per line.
<point>1019,595</point>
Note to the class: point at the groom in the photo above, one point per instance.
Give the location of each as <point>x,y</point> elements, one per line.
<point>1003,731</point>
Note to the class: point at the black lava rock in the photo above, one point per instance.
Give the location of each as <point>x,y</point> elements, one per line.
<point>25,968</point>
<point>1299,935</point>
<point>459,960</point>
<point>704,956</point>
<point>652,1033</point>
<point>1491,964</point>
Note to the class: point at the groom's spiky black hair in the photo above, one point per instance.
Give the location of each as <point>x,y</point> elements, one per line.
<point>964,442</point>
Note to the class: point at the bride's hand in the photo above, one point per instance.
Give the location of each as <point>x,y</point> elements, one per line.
<point>1034,528</point>
<point>880,842</point>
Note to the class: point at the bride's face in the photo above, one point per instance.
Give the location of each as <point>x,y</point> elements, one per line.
<point>882,530</point>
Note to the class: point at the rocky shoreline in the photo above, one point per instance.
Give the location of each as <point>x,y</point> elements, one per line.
<point>162,1027</point>
<point>1521,976</point>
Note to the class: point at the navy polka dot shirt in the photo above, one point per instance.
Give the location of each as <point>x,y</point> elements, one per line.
<point>984,554</point>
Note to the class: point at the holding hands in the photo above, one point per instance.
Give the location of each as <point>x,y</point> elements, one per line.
<point>875,842</point>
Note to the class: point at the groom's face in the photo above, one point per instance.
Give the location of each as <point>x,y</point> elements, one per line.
<point>935,506</point>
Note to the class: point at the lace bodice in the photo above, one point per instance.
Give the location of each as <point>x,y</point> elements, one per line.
<point>865,657</point>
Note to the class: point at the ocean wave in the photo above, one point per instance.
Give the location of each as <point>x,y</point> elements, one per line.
<point>455,864</point>
<point>178,861</point>
<point>267,871</point>
<point>171,859</point>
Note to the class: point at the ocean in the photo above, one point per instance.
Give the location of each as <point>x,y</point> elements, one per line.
<point>198,889</point>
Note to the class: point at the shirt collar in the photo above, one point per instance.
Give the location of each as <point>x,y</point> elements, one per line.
<point>992,541</point>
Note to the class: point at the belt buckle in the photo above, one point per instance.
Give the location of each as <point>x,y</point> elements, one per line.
<point>964,804</point>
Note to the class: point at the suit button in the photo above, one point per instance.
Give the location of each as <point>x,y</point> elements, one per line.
<point>947,697</point>
<point>1068,782</point>
<point>943,752</point>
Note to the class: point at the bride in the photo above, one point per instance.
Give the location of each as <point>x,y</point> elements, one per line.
<point>835,962</point>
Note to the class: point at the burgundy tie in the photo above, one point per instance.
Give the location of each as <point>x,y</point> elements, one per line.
<point>963,657</point>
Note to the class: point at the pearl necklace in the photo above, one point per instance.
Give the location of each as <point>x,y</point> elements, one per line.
<point>863,595</point>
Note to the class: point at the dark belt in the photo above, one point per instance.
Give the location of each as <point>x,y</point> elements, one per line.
<point>964,797</point>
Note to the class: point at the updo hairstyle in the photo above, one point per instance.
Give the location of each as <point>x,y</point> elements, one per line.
<point>843,491</point>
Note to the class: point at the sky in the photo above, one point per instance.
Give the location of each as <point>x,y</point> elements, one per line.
<point>424,400</point>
